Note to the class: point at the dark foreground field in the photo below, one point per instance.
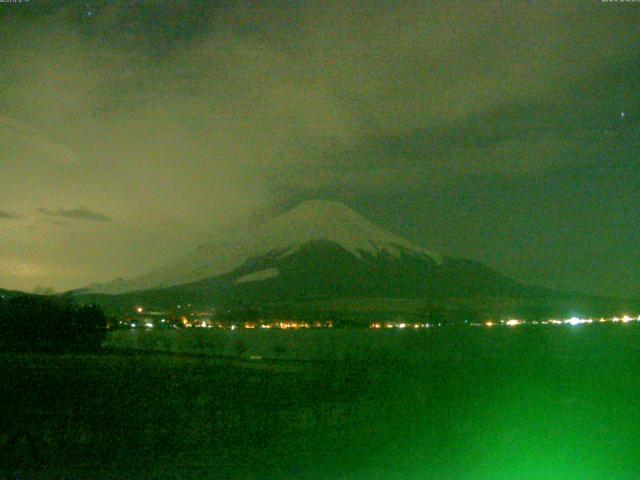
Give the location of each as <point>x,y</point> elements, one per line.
<point>522,403</point>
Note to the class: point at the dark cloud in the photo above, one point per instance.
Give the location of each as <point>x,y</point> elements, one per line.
<point>80,213</point>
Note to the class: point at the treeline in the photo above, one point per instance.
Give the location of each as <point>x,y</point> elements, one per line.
<point>41,323</point>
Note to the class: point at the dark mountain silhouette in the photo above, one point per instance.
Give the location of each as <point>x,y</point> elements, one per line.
<point>321,256</point>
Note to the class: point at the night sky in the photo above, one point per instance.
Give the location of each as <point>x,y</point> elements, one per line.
<point>506,132</point>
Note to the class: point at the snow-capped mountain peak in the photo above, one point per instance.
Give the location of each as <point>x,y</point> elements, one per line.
<point>318,220</point>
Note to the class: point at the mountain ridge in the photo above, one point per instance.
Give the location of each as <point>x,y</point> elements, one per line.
<point>323,259</point>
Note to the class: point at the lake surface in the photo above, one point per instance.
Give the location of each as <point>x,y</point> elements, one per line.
<point>453,403</point>
<point>446,343</point>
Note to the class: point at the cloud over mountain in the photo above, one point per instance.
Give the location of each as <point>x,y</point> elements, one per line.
<point>80,213</point>
<point>185,117</point>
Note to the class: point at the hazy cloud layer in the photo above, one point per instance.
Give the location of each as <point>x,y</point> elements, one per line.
<point>19,136</point>
<point>80,213</point>
<point>182,118</point>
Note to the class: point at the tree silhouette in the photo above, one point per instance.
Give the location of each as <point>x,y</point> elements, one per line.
<point>45,323</point>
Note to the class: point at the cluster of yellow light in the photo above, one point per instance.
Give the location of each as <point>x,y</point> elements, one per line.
<point>294,325</point>
<point>206,323</point>
<point>379,325</point>
<point>283,325</point>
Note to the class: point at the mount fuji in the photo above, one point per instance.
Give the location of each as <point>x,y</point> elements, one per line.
<point>323,223</point>
<point>318,250</point>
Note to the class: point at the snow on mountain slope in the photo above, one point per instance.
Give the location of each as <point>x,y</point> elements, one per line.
<point>265,274</point>
<point>310,221</point>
